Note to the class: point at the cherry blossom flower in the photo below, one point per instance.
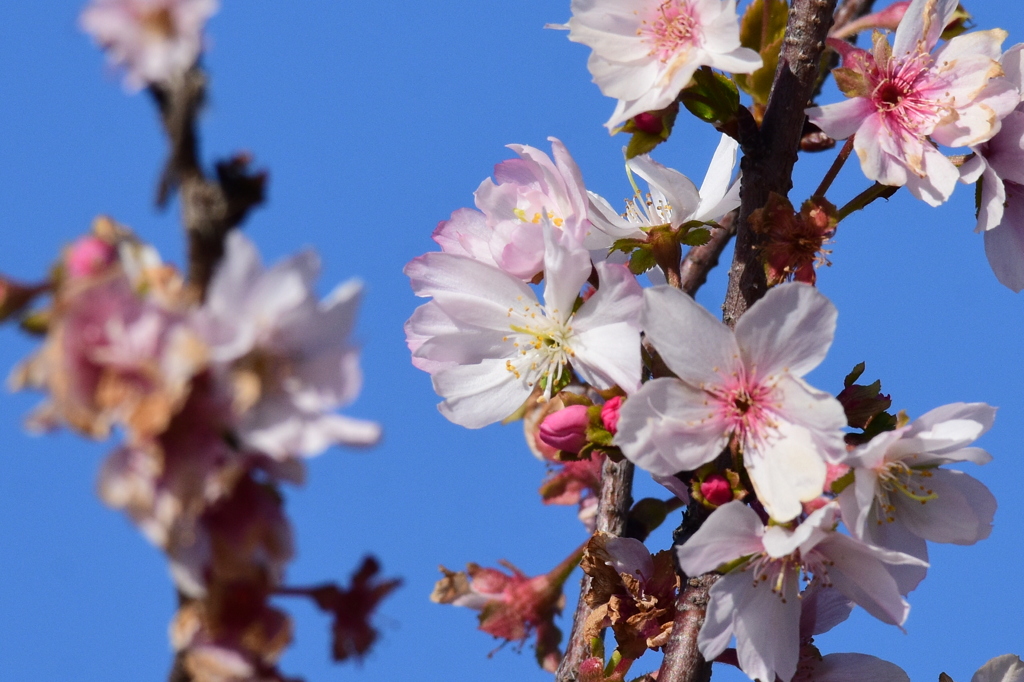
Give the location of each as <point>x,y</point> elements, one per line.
<point>903,96</point>
<point>757,598</point>
<point>508,230</point>
<point>512,606</point>
<point>112,358</point>
<point>744,387</point>
<point>900,497</point>
<point>646,51</point>
<point>997,164</point>
<point>672,199</point>
<point>155,41</point>
<point>491,343</point>
<point>287,356</point>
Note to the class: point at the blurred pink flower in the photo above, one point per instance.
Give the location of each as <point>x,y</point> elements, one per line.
<point>155,41</point>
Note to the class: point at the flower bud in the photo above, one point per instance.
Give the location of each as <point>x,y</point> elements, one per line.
<point>610,415</point>
<point>717,490</point>
<point>566,429</point>
<point>89,256</point>
<point>650,123</point>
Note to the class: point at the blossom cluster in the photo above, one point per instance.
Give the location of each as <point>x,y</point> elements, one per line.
<point>548,305</point>
<point>218,403</point>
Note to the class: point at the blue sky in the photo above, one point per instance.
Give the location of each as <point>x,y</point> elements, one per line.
<point>376,122</point>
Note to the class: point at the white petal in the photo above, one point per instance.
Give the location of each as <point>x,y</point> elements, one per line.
<point>1005,668</point>
<point>788,331</point>
<point>478,395</point>
<point>732,531</point>
<point>786,470</point>
<point>858,572</point>
<point>857,668</point>
<point>961,514</point>
<point>566,268</point>
<point>666,427</point>
<point>692,342</point>
<point>609,355</point>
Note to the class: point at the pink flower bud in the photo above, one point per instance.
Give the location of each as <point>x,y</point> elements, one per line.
<point>566,429</point>
<point>649,123</point>
<point>89,256</point>
<point>716,490</point>
<point>610,415</point>
<point>815,504</point>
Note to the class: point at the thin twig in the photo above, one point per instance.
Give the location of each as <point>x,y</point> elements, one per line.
<point>875,191</point>
<point>210,208</point>
<point>700,260</point>
<point>834,169</point>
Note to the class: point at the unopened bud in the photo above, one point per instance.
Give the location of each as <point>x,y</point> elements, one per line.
<point>566,429</point>
<point>610,415</point>
<point>89,256</point>
<point>650,123</point>
<point>717,490</point>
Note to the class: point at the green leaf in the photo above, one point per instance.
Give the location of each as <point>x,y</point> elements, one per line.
<point>626,245</point>
<point>767,43</point>
<point>641,261</point>
<point>751,32</point>
<point>851,82</point>
<point>642,143</point>
<point>697,237</point>
<point>711,97</point>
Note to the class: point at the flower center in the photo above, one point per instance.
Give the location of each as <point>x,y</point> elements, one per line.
<point>158,23</point>
<point>900,479</point>
<point>745,407</point>
<point>672,29</point>
<point>898,98</point>
<point>537,217</point>
<point>542,344</point>
<point>782,575</point>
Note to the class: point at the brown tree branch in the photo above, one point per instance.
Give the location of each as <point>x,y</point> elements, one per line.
<point>682,659</point>
<point>700,260</point>
<point>768,163</point>
<point>612,514</point>
<point>210,208</point>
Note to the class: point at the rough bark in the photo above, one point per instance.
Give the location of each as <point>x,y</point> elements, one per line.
<point>769,158</point>
<point>612,513</point>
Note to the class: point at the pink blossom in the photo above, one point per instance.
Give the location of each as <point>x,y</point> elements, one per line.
<point>757,600</point>
<point>155,41</point>
<point>997,165</point>
<point>89,256</point>
<point>901,497</point>
<point>904,96</point>
<point>610,414</point>
<point>490,343</point>
<point>566,429</point>
<point>744,387</point>
<point>507,231</point>
<point>287,356</point>
<point>646,51</point>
